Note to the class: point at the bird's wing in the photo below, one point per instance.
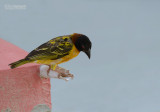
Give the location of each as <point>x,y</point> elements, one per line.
<point>52,50</point>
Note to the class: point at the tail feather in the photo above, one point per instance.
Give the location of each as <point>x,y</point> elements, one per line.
<point>18,63</point>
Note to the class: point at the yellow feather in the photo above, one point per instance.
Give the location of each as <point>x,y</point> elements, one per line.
<point>73,53</point>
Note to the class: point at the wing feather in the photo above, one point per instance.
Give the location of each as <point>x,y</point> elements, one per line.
<point>53,49</point>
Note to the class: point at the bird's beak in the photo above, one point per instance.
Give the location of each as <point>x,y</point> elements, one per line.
<point>88,53</point>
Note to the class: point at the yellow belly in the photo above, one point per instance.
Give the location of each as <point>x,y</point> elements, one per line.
<point>73,53</point>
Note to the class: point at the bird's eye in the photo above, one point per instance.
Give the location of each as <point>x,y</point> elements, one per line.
<point>83,47</point>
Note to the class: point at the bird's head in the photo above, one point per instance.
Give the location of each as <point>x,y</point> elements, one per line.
<point>82,43</point>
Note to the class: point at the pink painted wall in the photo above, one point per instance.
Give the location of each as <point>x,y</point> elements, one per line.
<point>21,89</point>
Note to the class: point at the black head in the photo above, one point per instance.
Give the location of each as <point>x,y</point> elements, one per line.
<point>83,44</point>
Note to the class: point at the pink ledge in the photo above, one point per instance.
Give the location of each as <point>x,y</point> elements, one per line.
<point>21,89</point>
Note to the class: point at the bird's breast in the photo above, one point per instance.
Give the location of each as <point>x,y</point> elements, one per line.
<point>73,53</point>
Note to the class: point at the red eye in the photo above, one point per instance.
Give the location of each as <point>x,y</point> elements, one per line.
<point>83,46</point>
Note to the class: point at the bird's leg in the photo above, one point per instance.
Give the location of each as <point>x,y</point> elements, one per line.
<point>49,69</point>
<point>53,67</point>
<point>47,72</point>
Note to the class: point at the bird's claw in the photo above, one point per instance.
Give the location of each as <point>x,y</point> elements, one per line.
<point>65,77</point>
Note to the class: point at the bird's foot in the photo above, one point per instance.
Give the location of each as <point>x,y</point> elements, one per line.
<point>60,73</point>
<point>65,76</point>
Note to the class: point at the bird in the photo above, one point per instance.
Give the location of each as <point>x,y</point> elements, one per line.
<point>57,50</point>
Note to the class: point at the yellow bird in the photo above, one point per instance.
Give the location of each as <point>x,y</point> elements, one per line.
<point>58,50</point>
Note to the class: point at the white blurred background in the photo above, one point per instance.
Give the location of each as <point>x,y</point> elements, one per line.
<point>123,74</point>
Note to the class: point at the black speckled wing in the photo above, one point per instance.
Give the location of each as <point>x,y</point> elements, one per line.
<point>52,50</point>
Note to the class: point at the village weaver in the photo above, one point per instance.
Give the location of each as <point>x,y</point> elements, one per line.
<point>58,50</point>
